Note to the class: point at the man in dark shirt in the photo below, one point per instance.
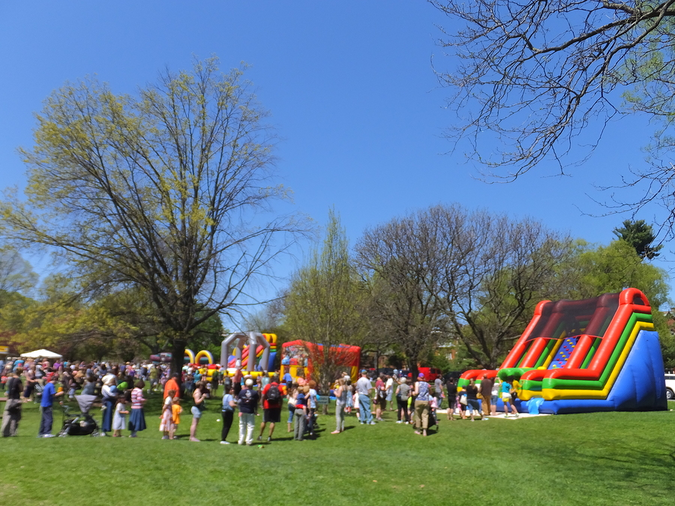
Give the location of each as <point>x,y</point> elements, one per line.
<point>472,398</point>
<point>486,392</point>
<point>248,409</point>
<point>12,413</point>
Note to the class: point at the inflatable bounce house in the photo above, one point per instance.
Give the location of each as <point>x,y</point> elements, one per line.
<point>580,356</point>
<point>301,355</point>
<point>265,346</point>
<point>203,359</point>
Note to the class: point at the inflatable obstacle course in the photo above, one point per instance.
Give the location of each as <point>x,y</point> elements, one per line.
<point>599,354</point>
<point>265,346</point>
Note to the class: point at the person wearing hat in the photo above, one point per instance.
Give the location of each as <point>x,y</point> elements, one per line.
<point>402,394</point>
<point>422,398</point>
<point>363,388</point>
<point>248,410</point>
<point>109,398</point>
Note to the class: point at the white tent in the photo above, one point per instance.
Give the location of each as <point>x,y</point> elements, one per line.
<point>41,354</point>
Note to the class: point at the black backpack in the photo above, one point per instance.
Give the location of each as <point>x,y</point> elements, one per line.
<point>273,395</point>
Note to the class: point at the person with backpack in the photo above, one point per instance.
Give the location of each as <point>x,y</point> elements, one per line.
<point>272,402</point>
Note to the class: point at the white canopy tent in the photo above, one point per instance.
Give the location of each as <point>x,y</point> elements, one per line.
<point>41,354</point>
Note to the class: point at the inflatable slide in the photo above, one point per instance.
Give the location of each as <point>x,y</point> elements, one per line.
<point>599,354</point>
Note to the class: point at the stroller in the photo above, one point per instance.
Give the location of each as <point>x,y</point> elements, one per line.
<point>82,424</point>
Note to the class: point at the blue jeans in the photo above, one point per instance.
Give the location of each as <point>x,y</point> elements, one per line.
<point>46,421</point>
<point>364,408</point>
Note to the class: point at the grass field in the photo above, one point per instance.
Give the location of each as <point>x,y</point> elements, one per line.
<point>589,459</point>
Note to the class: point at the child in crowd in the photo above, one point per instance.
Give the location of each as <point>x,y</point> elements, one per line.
<point>176,410</point>
<point>120,416</point>
<point>167,414</point>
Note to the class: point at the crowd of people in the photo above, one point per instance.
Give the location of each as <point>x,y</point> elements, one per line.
<point>122,389</point>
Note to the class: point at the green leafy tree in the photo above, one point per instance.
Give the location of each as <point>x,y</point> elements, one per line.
<point>323,304</point>
<point>164,191</point>
<point>640,235</point>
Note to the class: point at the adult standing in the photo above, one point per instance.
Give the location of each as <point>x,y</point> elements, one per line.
<point>363,388</point>
<point>341,397</point>
<point>507,399</point>
<point>402,394</point>
<point>438,390</point>
<point>472,398</point>
<point>12,413</point>
<point>48,394</point>
<point>248,409</point>
<point>236,380</point>
<point>272,401</point>
<point>452,398</point>
<point>390,390</point>
<point>172,384</point>
<point>422,398</point>
<point>380,397</point>
<point>137,417</point>
<point>199,398</point>
<point>486,392</point>
<point>109,399</point>
<point>227,413</point>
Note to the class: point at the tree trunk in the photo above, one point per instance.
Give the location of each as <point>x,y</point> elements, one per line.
<point>177,354</point>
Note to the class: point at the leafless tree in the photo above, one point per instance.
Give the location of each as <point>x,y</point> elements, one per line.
<point>446,272</point>
<point>531,78</point>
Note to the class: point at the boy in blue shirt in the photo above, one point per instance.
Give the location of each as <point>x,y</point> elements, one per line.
<point>48,395</point>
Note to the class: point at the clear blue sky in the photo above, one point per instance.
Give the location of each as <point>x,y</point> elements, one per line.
<point>349,85</point>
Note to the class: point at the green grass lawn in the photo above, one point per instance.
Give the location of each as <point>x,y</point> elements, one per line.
<point>603,458</point>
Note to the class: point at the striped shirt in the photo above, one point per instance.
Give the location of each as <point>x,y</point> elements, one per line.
<point>137,398</point>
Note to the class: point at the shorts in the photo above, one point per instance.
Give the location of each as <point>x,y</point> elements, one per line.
<point>506,397</point>
<point>196,412</point>
<point>474,404</point>
<point>272,415</point>
<point>381,402</point>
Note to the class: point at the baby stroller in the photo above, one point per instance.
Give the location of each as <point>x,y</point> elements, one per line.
<point>82,424</point>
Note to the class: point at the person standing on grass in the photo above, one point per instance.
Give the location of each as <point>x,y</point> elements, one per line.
<point>248,410</point>
<point>48,395</point>
<point>167,414</point>
<point>12,413</point>
<point>341,398</point>
<point>300,413</point>
<point>272,401</point>
<point>389,385</point>
<point>199,398</point>
<point>472,398</point>
<point>438,391</point>
<point>227,413</point>
<point>120,417</point>
<point>452,398</point>
<point>172,384</point>
<point>380,398</point>
<point>363,388</point>
<point>137,418</point>
<point>422,397</point>
<point>507,399</point>
<point>402,394</point>
<point>486,391</point>
<point>109,398</point>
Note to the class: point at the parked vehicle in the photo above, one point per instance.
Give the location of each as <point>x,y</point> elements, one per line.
<point>670,386</point>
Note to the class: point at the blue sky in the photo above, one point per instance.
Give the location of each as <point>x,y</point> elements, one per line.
<point>349,85</point>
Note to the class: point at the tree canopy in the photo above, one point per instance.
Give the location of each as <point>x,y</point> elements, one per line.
<point>165,191</point>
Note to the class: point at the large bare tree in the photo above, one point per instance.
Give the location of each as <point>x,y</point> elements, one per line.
<point>165,191</point>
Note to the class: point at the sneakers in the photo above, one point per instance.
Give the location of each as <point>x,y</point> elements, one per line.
<point>400,421</point>
<point>269,438</point>
<point>259,438</point>
<point>48,435</point>
<point>224,443</point>
<point>249,444</point>
<point>165,437</point>
<point>372,423</point>
<point>240,442</point>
